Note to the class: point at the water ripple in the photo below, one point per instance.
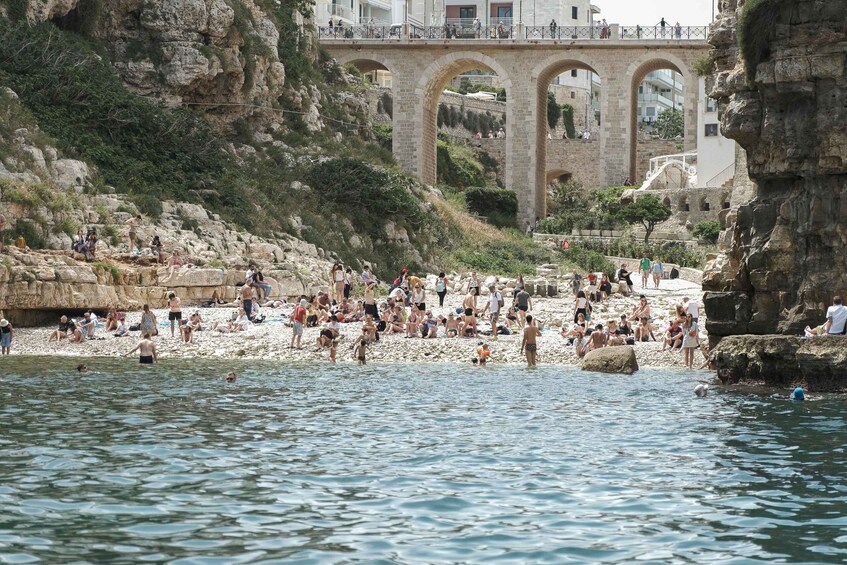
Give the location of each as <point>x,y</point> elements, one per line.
<point>410,464</point>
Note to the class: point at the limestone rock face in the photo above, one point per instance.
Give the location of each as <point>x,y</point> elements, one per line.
<point>818,364</point>
<point>620,360</point>
<point>785,252</point>
<point>222,56</point>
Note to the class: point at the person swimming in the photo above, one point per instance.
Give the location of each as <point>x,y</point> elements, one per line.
<point>82,368</point>
<point>230,377</point>
<point>798,394</point>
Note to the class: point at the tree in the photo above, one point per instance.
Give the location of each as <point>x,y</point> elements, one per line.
<point>707,230</point>
<point>670,124</point>
<point>647,211</point>
<point>554,112</point>
<point>567,120</point>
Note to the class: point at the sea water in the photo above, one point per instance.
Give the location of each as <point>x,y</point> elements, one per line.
<point>410,464</point>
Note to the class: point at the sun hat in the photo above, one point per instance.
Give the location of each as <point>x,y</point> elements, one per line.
<point>4,322</point>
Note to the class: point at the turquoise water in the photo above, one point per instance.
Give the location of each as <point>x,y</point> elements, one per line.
<point>410,464</point>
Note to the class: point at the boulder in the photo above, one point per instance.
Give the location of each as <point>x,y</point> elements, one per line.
<point>619,360</point>
<point>817,364</point>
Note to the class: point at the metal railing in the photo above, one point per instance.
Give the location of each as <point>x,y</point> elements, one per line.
<point>461,32</point>
<point>502,31</point>
<point>562,32</point>
<point>722,177</point>
<point>666,33</point>
<point>361,32</point>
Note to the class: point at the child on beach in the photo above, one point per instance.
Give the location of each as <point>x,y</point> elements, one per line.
<point>7,332</point>
<point>360,347</point>
<point>483,352</point>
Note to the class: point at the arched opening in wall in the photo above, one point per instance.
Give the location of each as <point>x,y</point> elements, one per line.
<point>667,202</point>
<point>704,205</point>
<point>558,176</point>
<point>380,97</point>
<point>567,129</point>
<point>683,204</point>
<point>657,115</point>
<point>465,123</point>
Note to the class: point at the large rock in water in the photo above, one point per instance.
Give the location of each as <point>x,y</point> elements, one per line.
<point>619,359</point>
<point>817,364</point>
<point>783,253</point>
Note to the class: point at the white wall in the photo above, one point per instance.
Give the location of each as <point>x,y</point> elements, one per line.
<point>714,154</point>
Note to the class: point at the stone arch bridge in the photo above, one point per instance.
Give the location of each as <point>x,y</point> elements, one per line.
<point>421,68</point>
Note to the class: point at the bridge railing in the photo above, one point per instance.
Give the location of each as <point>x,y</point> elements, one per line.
<point>667,32</point>
<point>562,32</point>
<point>453,31</point>
<point>517,32</point>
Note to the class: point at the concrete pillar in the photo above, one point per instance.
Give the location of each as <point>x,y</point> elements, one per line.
<point>690,96</point>
<point>521,155</point>
<point>615,113</point>
<point>406,123</point>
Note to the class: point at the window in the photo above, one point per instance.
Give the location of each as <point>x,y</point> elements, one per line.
<point>575,13</point>
<point>504,12</point>
<point>574,73</point>
<point>711,130</point>
<point>467,12</point>
<point>650,111</point>
<point>573,94</point>
<point>711,105</point>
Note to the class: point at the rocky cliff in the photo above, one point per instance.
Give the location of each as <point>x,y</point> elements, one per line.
<point>782,86</point>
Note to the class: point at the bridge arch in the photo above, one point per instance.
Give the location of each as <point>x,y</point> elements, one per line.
<point>428,91</point>
<point>638,70</point>
<point>542,76</point>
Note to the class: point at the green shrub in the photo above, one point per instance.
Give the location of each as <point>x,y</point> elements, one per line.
<point>148,205</point>
<point>110,268</point>
<point>499,205</point>
<point>384,135</point>
<point>505,257</point>
<point>589,260</point>
<point>457,166</point>
<point>567,119</point>
<point>554,111</point>
<point>670,252</point>
<point>31,231</point>
<point>16,10</point>
<point>370,196</point>
<point>707,230</point>
<point>704,65</point>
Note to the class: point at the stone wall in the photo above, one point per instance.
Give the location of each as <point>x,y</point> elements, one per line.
<point>785,252</point>
<point>646,149</point>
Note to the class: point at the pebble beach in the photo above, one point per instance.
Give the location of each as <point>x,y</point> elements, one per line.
<point>270,340</point>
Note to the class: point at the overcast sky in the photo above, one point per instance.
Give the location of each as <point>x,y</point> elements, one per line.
<point>649,12</point>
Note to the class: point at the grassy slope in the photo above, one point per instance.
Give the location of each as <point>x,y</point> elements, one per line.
<point>67,83</point>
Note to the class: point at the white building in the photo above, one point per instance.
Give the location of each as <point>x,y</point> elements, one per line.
<point>356,12</point>
<point>659,91</point>
<point>529,12</point>
<point>715,153</point>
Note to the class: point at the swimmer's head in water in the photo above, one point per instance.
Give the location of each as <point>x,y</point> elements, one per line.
<point>798,394</point>
<point>82,368</point>
<point>230,377</point>
<point>474,361</point>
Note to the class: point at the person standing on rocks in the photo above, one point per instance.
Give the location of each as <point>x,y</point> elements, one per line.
<point>576,282</point>
<point>441,288</point>
<point>146,351</point>
<point>495,303</point>
<point>367,276</point>
<point>247,299</point>
<point>336,275</point>
<point>524,303</point>
<point>174,311</point>
<point>132,236</point>
<point>658,269</point>
<point>298,318</point>
<point>690,340</point>
<point>473,287</point>
<point>7,332</point>
<point>645,271</point>
<point>529,344</point>
<point>691,307</point>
